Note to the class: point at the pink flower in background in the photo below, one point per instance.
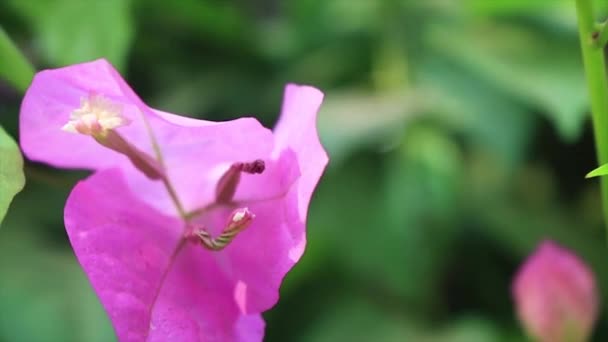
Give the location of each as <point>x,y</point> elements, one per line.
<point>187,227</point>
<point>556,296</point>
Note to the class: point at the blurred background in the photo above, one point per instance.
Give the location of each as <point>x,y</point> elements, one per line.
<point>458,132</point>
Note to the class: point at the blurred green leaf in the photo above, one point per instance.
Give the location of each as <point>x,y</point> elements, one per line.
<point>468,330</point>
<point>222,21</point>
<point>552,17</point>
<point>600,171</point>
<point>11,171</point>
<point>14,67</point>
<point>43,287</point>
<point>420,197</point>
<point>427,165</point>
<point>544,71</point>
<point>49,288</point>
<point>69,31</point>
<point>391,220</point>
<point>359,320</point>
<point>350,120</point>
<point>471,107</point>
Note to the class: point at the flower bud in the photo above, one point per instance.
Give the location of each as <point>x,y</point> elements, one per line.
<point>556,296</point>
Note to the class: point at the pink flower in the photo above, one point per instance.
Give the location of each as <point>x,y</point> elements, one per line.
<point>556,296</point>
<point>187,227</point>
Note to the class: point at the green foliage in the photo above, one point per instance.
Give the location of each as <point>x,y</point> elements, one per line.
<point>344,123</point>
<point>14,67</point>
<point>11,171</point>
<point>600,171</point>
<point>359,321</point>
<point>69,31</point>
<point>53,303</point>
<point>523,63</point>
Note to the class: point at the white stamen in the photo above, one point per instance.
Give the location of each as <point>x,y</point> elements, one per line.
<point>239,215</point>
<point>95,116</point>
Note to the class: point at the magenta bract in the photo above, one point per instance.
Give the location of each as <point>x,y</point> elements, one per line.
<point>556,295</point>
<point>142,247</point>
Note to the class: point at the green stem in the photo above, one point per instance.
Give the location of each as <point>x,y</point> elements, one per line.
<point>166,181</point>
<point>600,35</point>
<point>175,198</point>
<point>14,67</point>
<point>595,72</point>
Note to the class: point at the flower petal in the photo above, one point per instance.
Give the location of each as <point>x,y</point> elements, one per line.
<point>126,248</point>
<point>278,178</point>
<point>297,129</point>
<point>196,303</point>
<point>48,105</point>
<point>260,257</point>
<point>191,148</point>
<point>192,154</point>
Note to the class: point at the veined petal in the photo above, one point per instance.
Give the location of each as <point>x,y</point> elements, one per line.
<point>278,178</point>
<point>297,130</point>
<point>48,106</point>
<point>259,258</point>
<point>191,148</point>
<point>126,249</point>
<point>196,303</point>
<point>123,226</point>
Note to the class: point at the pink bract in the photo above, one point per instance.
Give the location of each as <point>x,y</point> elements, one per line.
<point>556,295</point>
<point>125,229</point>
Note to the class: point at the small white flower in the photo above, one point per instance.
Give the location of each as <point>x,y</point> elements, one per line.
<point>96,116</point>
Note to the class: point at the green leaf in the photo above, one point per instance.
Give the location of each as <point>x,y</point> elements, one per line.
<point>346,122</point>
<point>14,67</point>
<point>489,120</point>
<point>405,216</point>
<point>600,171</point>
<point>544,71</point>
<point>45,289</point>
<point>361,320</point>
<point>421,194</point>
<point>11,171</point>
<point>77,31</point>
<point>358,320</point>
<point>221,21</point>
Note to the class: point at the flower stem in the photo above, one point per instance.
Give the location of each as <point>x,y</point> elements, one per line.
<point>165,179</point>
<point>174,198</point>
<point>600,35</point>
<point>595,72</point>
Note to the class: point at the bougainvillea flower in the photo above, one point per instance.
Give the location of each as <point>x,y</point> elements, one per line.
<point>556,295</point>
<point>186,228</point>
